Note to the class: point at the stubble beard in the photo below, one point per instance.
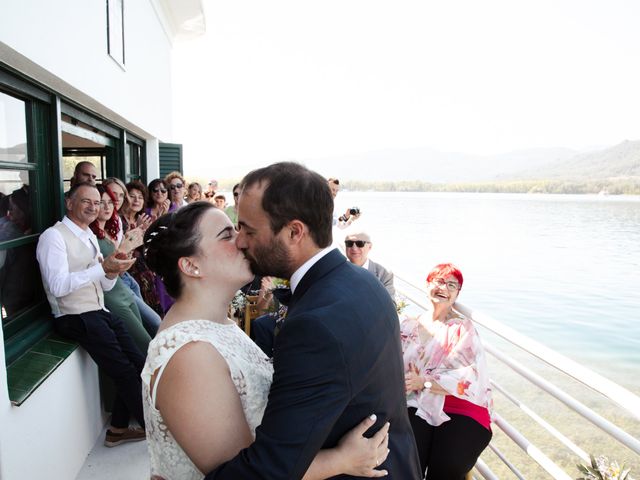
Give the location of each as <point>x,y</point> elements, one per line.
<point>270,260</point>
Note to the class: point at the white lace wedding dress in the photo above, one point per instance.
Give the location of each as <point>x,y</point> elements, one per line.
<point>251,372</point>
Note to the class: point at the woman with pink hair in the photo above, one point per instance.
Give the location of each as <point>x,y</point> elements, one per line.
<point>446,380</point>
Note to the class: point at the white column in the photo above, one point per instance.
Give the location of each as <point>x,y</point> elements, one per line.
<point>153,159</point>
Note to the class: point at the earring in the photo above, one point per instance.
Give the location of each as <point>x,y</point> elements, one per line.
<point>196,272</point>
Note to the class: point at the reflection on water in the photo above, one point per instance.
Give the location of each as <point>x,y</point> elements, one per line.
<point>563,269</point>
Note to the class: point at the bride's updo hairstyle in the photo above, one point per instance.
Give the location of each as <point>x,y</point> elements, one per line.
<point>171,237</point>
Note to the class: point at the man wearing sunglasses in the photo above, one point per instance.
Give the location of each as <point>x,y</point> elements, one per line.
<point>357,246</point>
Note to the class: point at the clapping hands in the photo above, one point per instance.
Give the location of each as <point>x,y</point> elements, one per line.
<point>166,205</point>
<point>132,240</point>
<point>116,263</point>
<point>143,221</point>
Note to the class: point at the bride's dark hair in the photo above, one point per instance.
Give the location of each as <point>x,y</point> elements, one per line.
<point>171,237</point>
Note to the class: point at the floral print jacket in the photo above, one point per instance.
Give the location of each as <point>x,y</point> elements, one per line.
<point>449,353</point>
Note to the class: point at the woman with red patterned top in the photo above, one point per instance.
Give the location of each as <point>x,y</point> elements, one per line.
<point>447,383</point>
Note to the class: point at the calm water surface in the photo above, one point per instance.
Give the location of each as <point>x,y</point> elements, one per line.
<point>562,269</point>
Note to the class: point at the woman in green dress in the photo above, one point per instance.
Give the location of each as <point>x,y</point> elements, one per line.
<point>119,300</point>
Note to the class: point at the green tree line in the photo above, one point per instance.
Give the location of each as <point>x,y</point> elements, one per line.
<point>628,186</point>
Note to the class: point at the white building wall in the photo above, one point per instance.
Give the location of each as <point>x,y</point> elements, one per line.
<point>52,432</point>
<point>63,45</point>
<point>69,40</point>
<point>153,159</point>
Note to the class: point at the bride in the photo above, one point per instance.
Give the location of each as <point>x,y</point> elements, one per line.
<point>205,383</point>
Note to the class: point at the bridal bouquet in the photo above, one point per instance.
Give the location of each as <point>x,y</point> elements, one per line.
<point>237,304</point>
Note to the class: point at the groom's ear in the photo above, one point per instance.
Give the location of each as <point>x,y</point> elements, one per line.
<point>296,231</point>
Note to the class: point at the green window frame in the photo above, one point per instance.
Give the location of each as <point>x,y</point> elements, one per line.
<point>29,325</point>
<point>28,335</point>
<point>135,153</point>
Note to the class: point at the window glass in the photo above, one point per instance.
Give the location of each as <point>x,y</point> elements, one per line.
<point>135,158</point>
<point>115,29</point>
<point>13,130</point>
<point>20,284</point>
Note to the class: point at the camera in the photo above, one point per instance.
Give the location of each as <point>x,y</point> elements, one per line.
<point>354,211</point>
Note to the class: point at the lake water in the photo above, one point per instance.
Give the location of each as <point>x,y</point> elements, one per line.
<point>562,269</point>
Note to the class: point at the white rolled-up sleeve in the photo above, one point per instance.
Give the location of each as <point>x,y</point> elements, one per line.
<point>54,267</point>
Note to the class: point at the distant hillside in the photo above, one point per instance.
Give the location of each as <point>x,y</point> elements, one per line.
<point>17,153</point>
<point>433,166</point>
<point>620,161</point>
<point>615,170</point>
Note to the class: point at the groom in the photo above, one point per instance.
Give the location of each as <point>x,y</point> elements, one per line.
<point>337,358</point>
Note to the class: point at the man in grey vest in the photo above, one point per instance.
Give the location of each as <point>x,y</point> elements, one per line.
<point>74,277</point>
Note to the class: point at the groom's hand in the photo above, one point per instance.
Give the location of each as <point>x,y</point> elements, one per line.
<point>363,455</point>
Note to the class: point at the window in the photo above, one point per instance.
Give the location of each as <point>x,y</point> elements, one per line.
<point>20,285</point>
<point>72,156</point>
<point>135,165</point>
<point>24,165</point>
<point>13,130</point>
<point>32,183</point>
<point>115,30</point>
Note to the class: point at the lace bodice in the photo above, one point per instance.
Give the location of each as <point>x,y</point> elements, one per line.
<point>251,372</point>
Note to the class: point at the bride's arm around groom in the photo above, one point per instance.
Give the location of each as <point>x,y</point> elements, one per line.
<point>198,380</point>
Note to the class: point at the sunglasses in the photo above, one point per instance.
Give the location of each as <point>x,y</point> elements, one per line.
<point>357,243</point>
<point>159,190</point>
<point>175,186</point>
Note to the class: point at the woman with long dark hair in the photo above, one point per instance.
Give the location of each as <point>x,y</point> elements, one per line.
<point>158,202</point>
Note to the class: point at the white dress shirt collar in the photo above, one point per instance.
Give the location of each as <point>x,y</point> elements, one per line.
<point>76,230</point>
<point>365,265</point>
<point>300,272</point>
<point>87,236</point>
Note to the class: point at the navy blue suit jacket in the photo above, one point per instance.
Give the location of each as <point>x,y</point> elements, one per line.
<point>337,360</point>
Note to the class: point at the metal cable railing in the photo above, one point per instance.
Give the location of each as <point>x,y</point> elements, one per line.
<point>543,423</point>
<point>610,390</point>
<point>603,424</point>
<point>485,471</point>
<point>506,461</point>
<point>530,449</point>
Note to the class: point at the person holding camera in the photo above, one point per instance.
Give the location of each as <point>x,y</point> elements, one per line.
<point>350,215</point>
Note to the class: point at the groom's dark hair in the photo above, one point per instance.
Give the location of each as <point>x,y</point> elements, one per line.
<point>294,192</point>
